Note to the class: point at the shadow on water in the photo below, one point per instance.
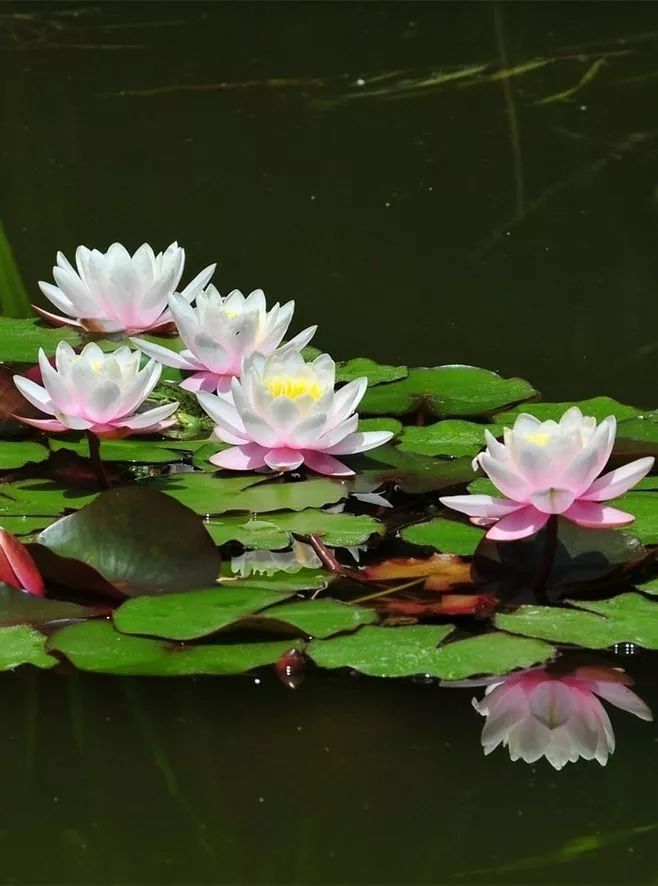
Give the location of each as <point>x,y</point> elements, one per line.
<point>442,182</point>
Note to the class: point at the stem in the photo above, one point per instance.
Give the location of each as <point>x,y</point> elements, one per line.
<point>408,584</point>
<point>550,547</point>
<point>330,562</point>
<point>97,464</point>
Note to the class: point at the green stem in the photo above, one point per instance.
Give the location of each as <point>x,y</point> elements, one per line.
<point>548,556</point>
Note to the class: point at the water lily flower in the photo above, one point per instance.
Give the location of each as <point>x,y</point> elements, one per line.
<point>97,392</point>
<point>285,413</point>
<point>115,292</point>
<point>542,713</point>
<point>220,332</point>
<point>546,468</point>
<point>17,568</point>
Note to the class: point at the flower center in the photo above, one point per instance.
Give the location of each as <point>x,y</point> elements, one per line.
<point>279,386</point>
<point>538,438</point>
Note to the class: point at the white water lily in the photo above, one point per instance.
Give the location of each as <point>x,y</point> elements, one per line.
<point>97,392</point>
<point>115,292</point>
<point>220,332</point>
<point>285,413</point>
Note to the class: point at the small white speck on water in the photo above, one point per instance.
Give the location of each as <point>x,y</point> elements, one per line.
<point>312,196</point>
<point>360,82</point>
<point>583,107</point>
<point>261,799</point>
<point>257,681</point>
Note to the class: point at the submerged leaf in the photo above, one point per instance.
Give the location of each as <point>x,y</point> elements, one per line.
<point>445,570</point>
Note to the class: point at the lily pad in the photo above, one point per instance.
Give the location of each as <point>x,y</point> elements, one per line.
<point>376,373</point>
<point>32,498</point>
<point>321,618</point>
<point>20,608</point>
<point>380,424</point>
<point>212,495</point>
<point>22,644</point>
<point>628,618</point>
<point>409,651</point>
<point>283,582</point>
<point>452,438</point>
<point>409,472</point>
<point>16,455</point>
<point>20,340</point>
<point>597,407</point>
<point>128,449</point>
<point>274,531</point>
<point>192,615</point>
<point>129,540</point>
<point>644,507</point>
<point>447,391</point>
<point>98,647</point>
<point>445,535</point>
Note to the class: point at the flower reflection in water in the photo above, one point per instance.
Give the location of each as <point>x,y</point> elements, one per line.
<point>547,712</point>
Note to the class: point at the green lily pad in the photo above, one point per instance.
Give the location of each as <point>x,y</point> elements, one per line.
<point>98,647</point>
<point>637,436</point>
<point>282,582</point>
<point>447,391</point>
<point>649,587</point>
<point>644,507</point>
<point>192,615</point>
<point>15,455</point>
<point>128,449</point>
<point>380,424</point>
<point>409,651</point>
<point>217,495</point>
<point>452,438</point>
<point>274,531</point>
<point>20,340</point>
<point>597,407</point>
<point>20,608</point>
<point>22,644</point>
<point>25,525</point>
<point>130,540</point>
<point>322,618</point>
<point>374,372</point>
<point>445,535</point>
<point>33,498</point>
<point>409,472</point>
<point>628,618</point>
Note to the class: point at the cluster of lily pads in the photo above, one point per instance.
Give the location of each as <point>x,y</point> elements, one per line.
<point>229,536</point>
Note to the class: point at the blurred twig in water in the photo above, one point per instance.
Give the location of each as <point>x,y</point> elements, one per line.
<point>589,75</point>
<point>510,108</point>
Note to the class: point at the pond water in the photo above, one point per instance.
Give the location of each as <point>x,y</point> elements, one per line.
<point>499,223</point>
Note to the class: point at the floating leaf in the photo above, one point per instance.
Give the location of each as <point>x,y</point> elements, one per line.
<point>31,498</point>
<point>644,507</point>
<point>321,618</point>
<point>22,644</point>
<point>212,495</point>
<point>445,535</point>
<point>452,438</point>
<point>20,340</point>
<point>274,531</point>
<point>637,436</point>
<point>96,646</point>
<point>411,473</point>
<point>192,615</point>
<point>131,540</point>
<point>25,525</point>
<point>283,582</point>
<point>447,391</point>
<point>445,570</point>
<point>380,424</point>
<point>628,618</point>
<point>597,407</point>
<point>20,608</point>
<point>374,372</point>
<point>412,650</point>
<point>15,455</point>
<point>128,449</point>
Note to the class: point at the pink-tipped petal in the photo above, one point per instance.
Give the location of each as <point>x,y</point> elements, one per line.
<point>322,463</point>
<point>619,481</point>
<point>480,505</point>
<point>522,523</point>
<point>44,424</point>
<point>504,477</point>
<point>201,381</point>
<point>594,515</point>
<point>17,568</point>
<point>240,458</point>
<point>55,319</point>
<point>284,459</point>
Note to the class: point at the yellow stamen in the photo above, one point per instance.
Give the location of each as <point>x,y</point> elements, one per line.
<point>230,314</point>
<point>537,438</point>
<point>97,366</point>
<point>293,388</point>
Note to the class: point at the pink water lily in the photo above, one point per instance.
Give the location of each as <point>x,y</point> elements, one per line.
<point>114,292</point>
<point>285,413</point>
<point>543,713</point>
<point>220,332</point>
<point>17,568</point>
<point>97,392</point>
<point>546,468</point>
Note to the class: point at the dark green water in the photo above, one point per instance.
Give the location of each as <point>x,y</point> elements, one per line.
<point>471,223</point>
